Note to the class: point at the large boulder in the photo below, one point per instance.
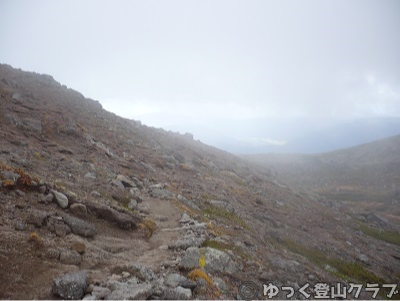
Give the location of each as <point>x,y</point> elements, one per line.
<point>70,286</point>
<point>79,227</point>
<point>215,260</point>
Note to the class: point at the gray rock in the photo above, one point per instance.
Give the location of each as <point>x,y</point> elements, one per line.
<point>49,198</point>
<point>53,253</point>
<point>183,292</point>
<point>186,283</point>
<point>126,181</point>
<point>142,272</point>
<point>363,258</point>
<point>79,227</point>
<point>135,191</point>
<point>117,184</point>
<point>162,194</point>
<point>61,229</point>
<point>70,257</point>
<point>220,284</point>
<point>374,218</point>
<point>140,291</point>
<point>186,243</point>
<point>71,286</point>
<point>19,192</point>
<point>95,194</point>
<point>20,226</point>
<point>9,175</point>
<point>37,217</point>
<point>157,186</point>
<point>216,261</point>
<point>132,204</point>
<point>90,175</point>
<point>100,292</point>
<point>115,284</point>
<point>185,219</point>
<point>78,209</point>
<point>178,293</point>
<point>61,199</point>
<point>173,280</point>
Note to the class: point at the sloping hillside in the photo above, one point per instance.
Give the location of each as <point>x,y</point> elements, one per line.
<point>146,214</point>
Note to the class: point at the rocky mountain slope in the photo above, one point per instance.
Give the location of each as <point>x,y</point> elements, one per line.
<point>368,174</point>
<point>96,206</point>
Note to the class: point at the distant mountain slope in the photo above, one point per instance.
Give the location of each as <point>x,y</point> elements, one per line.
<point>369,171</point>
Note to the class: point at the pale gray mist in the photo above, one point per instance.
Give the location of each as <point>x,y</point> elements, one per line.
<point>247,76</point>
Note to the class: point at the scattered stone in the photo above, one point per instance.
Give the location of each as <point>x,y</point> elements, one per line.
<point>79,247</point>
<point>185,219</point>
<point>220,284</point>
<point>20,226</point>
<point>70,257</point>
<point>126,181</point>
<point>186,283</point>
<point>95,194</point>
<point>117,184</point>
<point>162,218</point>
<point>178,293</point>
<point>173,280</point>
<point>122,220</point>
<point>363,258</point>
<point>100,292</point>
<point>185,243</point>
<point>125,275</point>
<point>61,199</point>
<point>71,286</point>
<point>90,175</point>
<point>53,253</point>
<point>19,192</point>
<point>65,151</point>
<point>78,209</point>
<point>61,229</point>
<point>37,218</point>
<point>158,191</point>
<point>140,291</point>
<point>78,226</point>
<point>132,204</point>
<point>140,271</point>
<point>134,191</point>
<point>49,198</point>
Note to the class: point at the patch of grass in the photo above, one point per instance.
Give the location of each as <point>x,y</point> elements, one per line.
<point>350,271</point>
<point>384,235</point>
<point>196,274</point>
<point>148,226</point>
<point>216,245</point>
<point>217,212</point>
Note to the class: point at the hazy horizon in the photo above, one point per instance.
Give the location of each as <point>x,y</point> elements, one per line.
<point>261,73</point>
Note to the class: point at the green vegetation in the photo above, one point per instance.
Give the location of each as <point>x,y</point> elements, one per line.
<point>350,271</point>
<point>217,212</point>
<point>384,235</point>
<point>216,245</point>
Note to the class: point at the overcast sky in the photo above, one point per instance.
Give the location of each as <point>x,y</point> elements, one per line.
<point>220,64</point>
